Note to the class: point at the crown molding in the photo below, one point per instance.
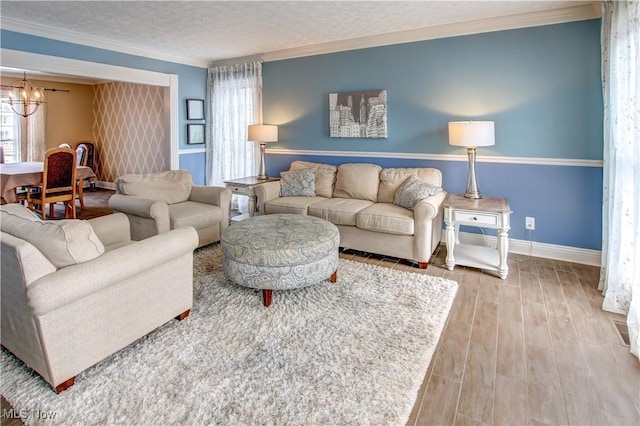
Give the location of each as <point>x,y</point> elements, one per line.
<point>547,17</point>
<point>536,161</point>
<point>68,36</point>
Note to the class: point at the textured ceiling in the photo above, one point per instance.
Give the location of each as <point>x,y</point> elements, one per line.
<point>204,31</point>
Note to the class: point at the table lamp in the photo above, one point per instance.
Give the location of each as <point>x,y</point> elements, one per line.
<point>472,134</point>
<point>262,133</point>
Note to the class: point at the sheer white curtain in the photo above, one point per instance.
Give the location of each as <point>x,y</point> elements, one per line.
<point>620,273</point>
<point>33,136</point>
<point>234,97</point>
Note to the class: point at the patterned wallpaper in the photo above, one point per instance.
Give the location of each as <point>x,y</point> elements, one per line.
<point>129,129</point>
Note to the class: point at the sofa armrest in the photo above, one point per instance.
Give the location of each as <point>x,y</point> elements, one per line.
<point>427,209</point>
<point>427,217</point>
<point>63,287</point>
<point>216,195</point>
<point>266,192</point>
<point>138,206</point>
<point>146,217</point>
<point>112,229</point>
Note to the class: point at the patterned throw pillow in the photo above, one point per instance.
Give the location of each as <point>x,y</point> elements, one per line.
<point>412,191</point>
<point>298,183</point>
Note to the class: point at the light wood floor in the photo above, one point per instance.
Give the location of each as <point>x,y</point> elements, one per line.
<point>533,349</point>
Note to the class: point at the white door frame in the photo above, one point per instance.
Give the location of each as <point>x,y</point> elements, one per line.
<point>73,67</point>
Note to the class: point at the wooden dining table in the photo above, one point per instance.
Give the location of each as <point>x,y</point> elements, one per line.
<point>14,175</point>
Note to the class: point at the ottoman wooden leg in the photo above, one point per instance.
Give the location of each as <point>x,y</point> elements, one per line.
<point>334,276</point>
<point>266,297</point>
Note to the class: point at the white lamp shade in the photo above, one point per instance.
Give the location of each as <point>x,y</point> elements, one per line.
<point>263,133</point>
<point>471,133</point>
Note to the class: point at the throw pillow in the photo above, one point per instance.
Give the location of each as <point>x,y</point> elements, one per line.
<point>412,191</point>
<point>63,242</point>
<point>325,176</point>
<point>298,183</point>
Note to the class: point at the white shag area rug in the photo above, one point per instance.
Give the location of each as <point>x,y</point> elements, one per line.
<point>354,352</point>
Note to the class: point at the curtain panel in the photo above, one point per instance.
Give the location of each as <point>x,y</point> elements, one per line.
<point>234,99</point>
<point>620,272</point>
<point>33,135</point>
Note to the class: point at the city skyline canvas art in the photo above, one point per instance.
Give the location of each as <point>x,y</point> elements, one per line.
<point>358,114</point>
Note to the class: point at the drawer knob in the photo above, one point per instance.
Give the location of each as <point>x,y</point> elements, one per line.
<point>475,218</point>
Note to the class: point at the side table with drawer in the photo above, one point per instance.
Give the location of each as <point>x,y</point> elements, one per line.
<point>487,212</point>
<point>245,186</point>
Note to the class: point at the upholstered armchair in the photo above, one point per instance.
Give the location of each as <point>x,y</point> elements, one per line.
<point>77,291</point>
<point>158,202</point>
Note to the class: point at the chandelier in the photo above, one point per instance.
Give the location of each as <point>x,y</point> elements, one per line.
<point>24,96</point>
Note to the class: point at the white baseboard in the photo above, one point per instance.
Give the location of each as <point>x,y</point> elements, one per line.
<point>106,185</point>
<point>545,250</point>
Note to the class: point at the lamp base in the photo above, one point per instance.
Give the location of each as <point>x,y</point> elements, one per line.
<point>472,181</point>
<point>262,171</point>
<point>473,195</point>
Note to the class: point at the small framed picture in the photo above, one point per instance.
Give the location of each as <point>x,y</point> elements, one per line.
<point>195,134</point>
<point>195,109</point>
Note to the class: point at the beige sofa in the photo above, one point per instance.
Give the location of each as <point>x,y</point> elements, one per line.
<point>74,292</point>
<point>158,202</point>
<point>359,199</point>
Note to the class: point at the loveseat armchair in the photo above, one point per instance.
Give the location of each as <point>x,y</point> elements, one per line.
<point>74,292</point>
<point>158,202</point>
<point>390,211</point>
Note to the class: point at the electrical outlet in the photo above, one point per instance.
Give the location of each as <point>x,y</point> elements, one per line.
<point>530,223</point>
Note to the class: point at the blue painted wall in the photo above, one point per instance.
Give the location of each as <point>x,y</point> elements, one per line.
<point>540,85</point>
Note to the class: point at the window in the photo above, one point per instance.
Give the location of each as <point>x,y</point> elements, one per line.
<point>9,132</point>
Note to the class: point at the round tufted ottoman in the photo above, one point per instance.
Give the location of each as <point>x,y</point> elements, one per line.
<point>280,252</point>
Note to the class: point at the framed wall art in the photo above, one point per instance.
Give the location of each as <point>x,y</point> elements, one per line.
<point>195,109</point>
<point>358,114</point>
<point>195,134</point>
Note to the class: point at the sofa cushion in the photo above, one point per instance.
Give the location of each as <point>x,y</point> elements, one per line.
<point>63,242</point>
<point>386,218</point>
<point>391,179</point>
<point>298,183</point>
<point>191,213</point>
<point>414,190</point>
<point>294,205</point>
<point>358,180</point>
<point>339,211</point>
<point>173,186</point>
<point>325,176</point>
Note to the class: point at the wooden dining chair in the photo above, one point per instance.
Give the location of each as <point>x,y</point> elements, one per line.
<point>58,184</point>
<point>91,155</point>
<point>82,156</point>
